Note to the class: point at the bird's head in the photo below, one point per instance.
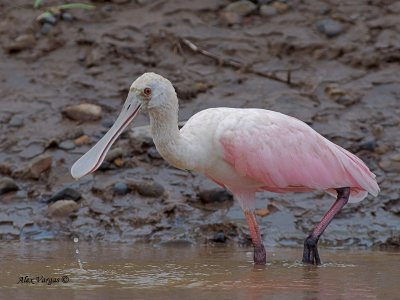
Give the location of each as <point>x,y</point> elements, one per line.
<point>151,92</point>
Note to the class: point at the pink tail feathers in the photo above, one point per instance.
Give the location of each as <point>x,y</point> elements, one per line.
<point>364,181</point>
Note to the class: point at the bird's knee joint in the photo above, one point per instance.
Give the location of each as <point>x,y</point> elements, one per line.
<point>343,192</point>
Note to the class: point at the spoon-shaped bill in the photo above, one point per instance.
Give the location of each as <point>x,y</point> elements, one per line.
<point>92,159</point>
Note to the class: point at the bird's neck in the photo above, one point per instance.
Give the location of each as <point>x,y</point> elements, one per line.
<point>170,143</point>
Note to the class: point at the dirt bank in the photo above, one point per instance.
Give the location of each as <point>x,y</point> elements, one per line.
<point>342,64</point>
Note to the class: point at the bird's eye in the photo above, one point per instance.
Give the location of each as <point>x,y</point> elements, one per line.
<point>147,91</point>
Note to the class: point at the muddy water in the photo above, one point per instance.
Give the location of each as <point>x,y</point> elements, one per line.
<point>141,271</point>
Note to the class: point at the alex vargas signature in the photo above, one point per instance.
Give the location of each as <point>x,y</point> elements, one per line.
<point>42,280</point>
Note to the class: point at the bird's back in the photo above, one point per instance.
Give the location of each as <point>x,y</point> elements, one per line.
<point>279,151</point>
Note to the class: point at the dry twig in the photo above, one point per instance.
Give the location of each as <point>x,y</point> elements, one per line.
<point>238,65</point>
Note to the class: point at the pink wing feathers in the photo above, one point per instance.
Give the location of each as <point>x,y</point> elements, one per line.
<point>285,154</point>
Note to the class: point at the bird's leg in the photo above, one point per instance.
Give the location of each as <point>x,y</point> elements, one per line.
<point>260,257</point>
<point>310,254</point>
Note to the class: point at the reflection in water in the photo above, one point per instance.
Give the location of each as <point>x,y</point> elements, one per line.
<point>122,270</point>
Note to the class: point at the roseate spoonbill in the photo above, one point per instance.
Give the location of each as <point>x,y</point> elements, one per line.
<point>245,151</point>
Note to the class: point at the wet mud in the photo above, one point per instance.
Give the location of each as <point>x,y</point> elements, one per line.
<point>332,64</point>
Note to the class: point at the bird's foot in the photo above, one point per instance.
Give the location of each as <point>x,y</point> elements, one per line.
<point>260,256</point>
<point>310,254</point>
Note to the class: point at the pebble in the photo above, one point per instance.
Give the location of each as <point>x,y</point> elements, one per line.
<point>114,154</point>
<point>66,194</point>
<point>46,28</point>
<point>84,139</point>
<point>140,137</point>
<point>324,9</point>
<point>32,150</point>
<point>280,6</point>
<point>62,208</point>
<point>83,112</point>
<point>329,27</point>
<point>22,42</point>
<point>394,7</point>
<point>219,237</point>
<point>118,162</point>
<point>214,196</point>
<point>153,153</point>
<point>67,17</point>
<point>120,1</point>
<point>147,188</point>
<point>121,188</point>
<point>99,206</point>
<point>262,212</point>
<point>390,164</point>
<point>241,8</point>
<point>368,145</point>
<point>47,18</point>
<point>39,165</point>
<point>66,145</point>
<point>268,11</point>
<point>7,185</point>
<point>16,121</point>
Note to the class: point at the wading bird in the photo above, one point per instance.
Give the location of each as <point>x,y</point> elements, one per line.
<point>244,150</point>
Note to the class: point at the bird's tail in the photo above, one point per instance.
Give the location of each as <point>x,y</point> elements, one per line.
<point>364,180</point>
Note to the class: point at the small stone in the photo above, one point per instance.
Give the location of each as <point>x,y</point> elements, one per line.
<point>329,27</point>
<point>66,145</point>
<point>16,121</point>
<point>118,162</point>
<point>84,139</point>
<point>368,145</point>
<point>390,165</point>
<point>395,157</point>
<point>262,212</point>
<point>47,18</point>
<point>39,165</point>
<point>114,154</point>
<point>394,7</point>
<point>22,42</point>
<point>219,237</point>
<point>46,28</point>
<point>268,11</point>
<point>62,208</point>
<point>153,153</point>
<point>147,189</point>
<point>120,1</point>
<point>140,138</point>
<point>98,206</point>
<point>83,112</point>
<point>67,17</point>
<point>241,8</point>
<point>7,185</point>
<point>324,9</point>
<point>200,87</point>
<point>228,18</point>
<point>121,188</point>
<point>280,6</point>
<point>66,194</point>
<point>214,196</point>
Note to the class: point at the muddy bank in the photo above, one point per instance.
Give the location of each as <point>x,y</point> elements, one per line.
<point>332,64</point>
